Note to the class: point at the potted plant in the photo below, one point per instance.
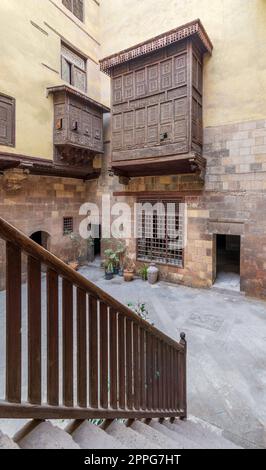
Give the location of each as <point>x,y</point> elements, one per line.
<point>76,244</point>
<point>143,272</point>
<point>111,263</point>
<point>129,269</point>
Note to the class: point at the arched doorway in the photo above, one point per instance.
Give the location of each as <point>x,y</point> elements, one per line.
<point>42,238</point>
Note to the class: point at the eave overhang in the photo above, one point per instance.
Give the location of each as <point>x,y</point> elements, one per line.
<point>78,94</point>
<point>193,29</point>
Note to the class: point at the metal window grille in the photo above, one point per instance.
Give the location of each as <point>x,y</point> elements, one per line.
<point>160,237</point>
<point>68,225</point>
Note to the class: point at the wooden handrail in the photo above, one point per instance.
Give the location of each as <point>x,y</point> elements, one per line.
<point>125,367</point>
<point>9,233</point>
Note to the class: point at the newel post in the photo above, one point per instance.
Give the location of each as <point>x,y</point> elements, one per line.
<point>183,377</point>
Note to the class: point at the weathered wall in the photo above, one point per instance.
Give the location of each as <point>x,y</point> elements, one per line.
<point>234,77</point>
<point>30,62</point>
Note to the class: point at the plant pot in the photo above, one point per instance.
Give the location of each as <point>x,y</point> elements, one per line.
<point>120,272</point>
<point>74,265</point>
<point>116,270</point>
<point>153,274</point>
<point>128,275</point>
<point>109,276</point>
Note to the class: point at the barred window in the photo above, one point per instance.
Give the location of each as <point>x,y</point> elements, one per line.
<point>68,225</point>
<point>160,233</point>
<point>76,7</point>
<point>73,70</point>
<point>7,121</point>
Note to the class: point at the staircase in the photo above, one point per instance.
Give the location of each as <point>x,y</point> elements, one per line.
<point>88,357</point>
<point>137,434</point>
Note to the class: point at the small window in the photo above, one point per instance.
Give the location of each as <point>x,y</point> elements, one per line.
<point>76,7</point>
<point>73,69</point>
<point>7,121</point>
<point>68,225</point>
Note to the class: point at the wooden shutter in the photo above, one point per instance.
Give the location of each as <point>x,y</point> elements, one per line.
<point>7,121</point>
<point>66,70</point>
<point>67,4</point>
<point>78,9</point>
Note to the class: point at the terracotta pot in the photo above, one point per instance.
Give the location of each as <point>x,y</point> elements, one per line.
<point>128,275</point>
<point>74,265</point>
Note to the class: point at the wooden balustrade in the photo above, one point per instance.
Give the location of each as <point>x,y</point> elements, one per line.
<point>112,363</point>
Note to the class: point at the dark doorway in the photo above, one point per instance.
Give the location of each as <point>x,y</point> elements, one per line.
<point>228,262</point>
<point>42,238</point>
<point>97,242</point>
<point>228,253</point>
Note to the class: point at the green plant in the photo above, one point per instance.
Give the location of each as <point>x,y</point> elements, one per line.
<point>143,272</point>
<point>75,238</point>
<point>140,309</point>
<point>111,260</point>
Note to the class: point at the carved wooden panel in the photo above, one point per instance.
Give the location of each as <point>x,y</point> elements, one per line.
<point>157,102</point>
<point>7,121</point>
<point>78,123</point>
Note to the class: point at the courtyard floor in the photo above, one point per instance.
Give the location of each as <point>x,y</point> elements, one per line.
<point>226,334</point>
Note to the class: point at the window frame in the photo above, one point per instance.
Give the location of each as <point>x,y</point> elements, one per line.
<point>72,11</point>
<point>12,102</point>
<point>164,200</point>
<point>68,232</point>
<point>73,67</point>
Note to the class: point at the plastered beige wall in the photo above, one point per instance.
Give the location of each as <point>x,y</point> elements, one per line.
<point>26,53</point>
<point>234,77</point>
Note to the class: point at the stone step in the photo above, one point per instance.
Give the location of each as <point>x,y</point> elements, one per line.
<point>153,435</point>
<point>200,432</point>
<point>129,438</point>
<point>45,436</point>
<point>181,441</point>
<point>6,442</point>
<point>90,436</point>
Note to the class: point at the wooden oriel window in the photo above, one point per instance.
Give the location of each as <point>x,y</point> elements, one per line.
<point>7,121</point>
<point>68,225</point>
<point>73,68</point>
<point>76,7</point>
<point>160,235</point>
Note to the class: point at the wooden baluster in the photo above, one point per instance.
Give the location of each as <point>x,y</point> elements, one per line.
<point>129,365</point>
<point>136,366</point>
<point>82,348</point>
<point>113,358</point>
<point>52,339</point>
<point>93,345</point>
<point>121,363</point>
<point>172,375</point>
<point>142,339</point>
<point>164,376</point>
<point>160,367</point>
<point>13,323</point>
<point>176,378</point>
<point>34,331</point>
<point>154,373</point>
<point>168,348</point>
<point>67,319</point>
<point>104,355</point>
<point>149,388</point>
<point>183,377</point>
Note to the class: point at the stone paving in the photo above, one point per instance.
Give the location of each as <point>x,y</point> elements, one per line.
<point>226,335</point>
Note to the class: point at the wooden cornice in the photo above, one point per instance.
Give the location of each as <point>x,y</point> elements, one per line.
<point>189,30</point>
<point>78,94</point>
<point>45,167</point>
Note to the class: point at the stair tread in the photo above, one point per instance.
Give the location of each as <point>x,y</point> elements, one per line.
<point>182,442</point>
<point>129,438</point>
<point>155,436</point>
<point>90,436</point>
<point>47,436</point>
<point>6,442</point>
<point>202,433</point>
